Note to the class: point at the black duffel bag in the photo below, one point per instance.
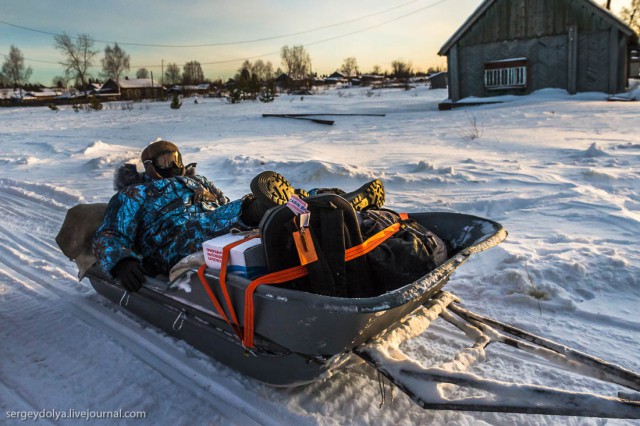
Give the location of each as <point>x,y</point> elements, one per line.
<point>408,255</point>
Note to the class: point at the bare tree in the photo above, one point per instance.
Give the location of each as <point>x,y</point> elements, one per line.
<point>244,72</point>
<point>192,73</point>
<point>401,69</point>
<point>78,56</point>
<point>14,69</point>
<point>631,15</point>
<point>377,70</point>
<point>261,70</point>
<point>60,82</point>
<point>297,61</point>
<point>172,74</point>
<point>115,62</point>
<point>350,67</point>
<point>142,73</point>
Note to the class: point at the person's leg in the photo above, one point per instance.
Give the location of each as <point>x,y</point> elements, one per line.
<point>369,195</point>
<point>271,189</point>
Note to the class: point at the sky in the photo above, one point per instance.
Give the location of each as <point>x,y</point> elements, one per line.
<point>221,34</point>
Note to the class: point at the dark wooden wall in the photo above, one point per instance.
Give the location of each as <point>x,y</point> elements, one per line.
<point>525,19</point>
<point>568,45</point>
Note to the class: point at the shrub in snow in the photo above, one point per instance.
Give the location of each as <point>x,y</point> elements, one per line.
<point>95,103</point>
<point>175,102</point>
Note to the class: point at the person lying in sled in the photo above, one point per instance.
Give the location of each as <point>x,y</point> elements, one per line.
<point>165,213</point>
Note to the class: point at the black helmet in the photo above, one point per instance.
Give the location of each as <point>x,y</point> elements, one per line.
<point>162,159</point>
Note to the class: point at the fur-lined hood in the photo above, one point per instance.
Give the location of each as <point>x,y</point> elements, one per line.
<point>128,174</point>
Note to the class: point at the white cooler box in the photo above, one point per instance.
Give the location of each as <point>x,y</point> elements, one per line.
<point>246,259</point>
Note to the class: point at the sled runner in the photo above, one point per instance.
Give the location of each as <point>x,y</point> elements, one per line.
<point>299,337</point>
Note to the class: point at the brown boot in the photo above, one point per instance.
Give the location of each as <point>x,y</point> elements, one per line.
<point>272,189</point>
<point>369,195</point>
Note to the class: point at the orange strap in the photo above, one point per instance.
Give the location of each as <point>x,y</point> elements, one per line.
<point>214,299</point>
<point>233,322</point>
<point>226,250</point>
<point>301,271</point>
<point>272,278</point>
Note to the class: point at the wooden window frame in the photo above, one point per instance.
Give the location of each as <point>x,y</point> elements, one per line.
<point>506,74</point>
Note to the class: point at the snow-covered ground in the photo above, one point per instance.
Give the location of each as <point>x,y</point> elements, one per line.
<point>560,172</point>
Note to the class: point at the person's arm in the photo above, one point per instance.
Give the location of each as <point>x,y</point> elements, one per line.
<point>221,198</point>
<point>113,244</point>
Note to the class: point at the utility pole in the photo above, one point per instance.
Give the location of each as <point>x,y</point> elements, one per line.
<point>162,72</point>
<point>608,4</point>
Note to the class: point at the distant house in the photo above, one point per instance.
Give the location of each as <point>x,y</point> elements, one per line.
<point>339,76</point>
<point>133,89</point>
<point>283,81</point>
<point>438,80</point>
<point>519,46</point>
<point>31,96</point>
<point>190,90</point>
<point>371,79</point>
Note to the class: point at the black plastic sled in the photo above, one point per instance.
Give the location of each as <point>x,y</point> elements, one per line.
<point>298,335</point>
<point>301,337</point>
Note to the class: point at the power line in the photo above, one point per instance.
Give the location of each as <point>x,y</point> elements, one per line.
<point>231,43</point>
<point>305,45</point>
<point>339,36</point>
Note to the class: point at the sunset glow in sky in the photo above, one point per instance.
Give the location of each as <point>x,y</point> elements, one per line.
<point>221,34</point>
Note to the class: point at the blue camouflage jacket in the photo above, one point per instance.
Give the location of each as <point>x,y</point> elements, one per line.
<point>161,221</point>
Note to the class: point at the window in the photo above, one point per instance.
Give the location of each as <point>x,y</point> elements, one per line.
<point>506,74</point>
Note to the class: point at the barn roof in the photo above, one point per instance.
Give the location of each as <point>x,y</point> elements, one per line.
<point>137,83</point>
<point>484,6</point>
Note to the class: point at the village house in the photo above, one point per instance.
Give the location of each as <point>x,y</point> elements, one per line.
<point>133,89</point>
<point>519,46</point>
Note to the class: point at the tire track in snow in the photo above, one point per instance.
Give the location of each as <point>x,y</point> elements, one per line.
<point>11,401</point>
<point>31,260</point>
<point>154,352</point>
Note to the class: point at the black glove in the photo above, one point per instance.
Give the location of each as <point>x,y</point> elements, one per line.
<point>129,272</point>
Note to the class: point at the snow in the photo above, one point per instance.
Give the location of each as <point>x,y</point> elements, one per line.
<point>561,173</point>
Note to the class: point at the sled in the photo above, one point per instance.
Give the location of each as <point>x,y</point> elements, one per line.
<point>301,337</point>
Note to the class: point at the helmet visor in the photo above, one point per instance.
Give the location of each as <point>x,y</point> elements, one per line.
<point>167,160</point>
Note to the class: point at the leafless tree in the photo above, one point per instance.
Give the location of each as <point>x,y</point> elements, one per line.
<point>349,67</point>
<point>115,62</point>
<point>60,82</point>
<point>142,73</point>
<point>631,15</point>
<point>14,69</point>
<point>297,61</point>
<point>261,70</point>
<point>172,74</point>
<point>377,70</point>
<point>401,69</point>
<point>78,56</point>
<point>192,73</point>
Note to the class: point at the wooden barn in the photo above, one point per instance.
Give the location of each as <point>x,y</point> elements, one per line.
<point>133,89</point>
<point>519,46</point>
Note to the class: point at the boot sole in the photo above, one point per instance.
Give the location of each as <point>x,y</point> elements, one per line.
<point>369,195</point>
<point>273,189</point>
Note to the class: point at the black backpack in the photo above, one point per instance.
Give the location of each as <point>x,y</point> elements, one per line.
<point>412,252</point>
<point>334,228</point>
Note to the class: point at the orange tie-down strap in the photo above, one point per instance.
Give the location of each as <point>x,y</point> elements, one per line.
<point>278,277</point>
<point>226,250</point>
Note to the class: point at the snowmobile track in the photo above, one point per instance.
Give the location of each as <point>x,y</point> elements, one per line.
<point>159,355</point>
<point>20,250</point>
